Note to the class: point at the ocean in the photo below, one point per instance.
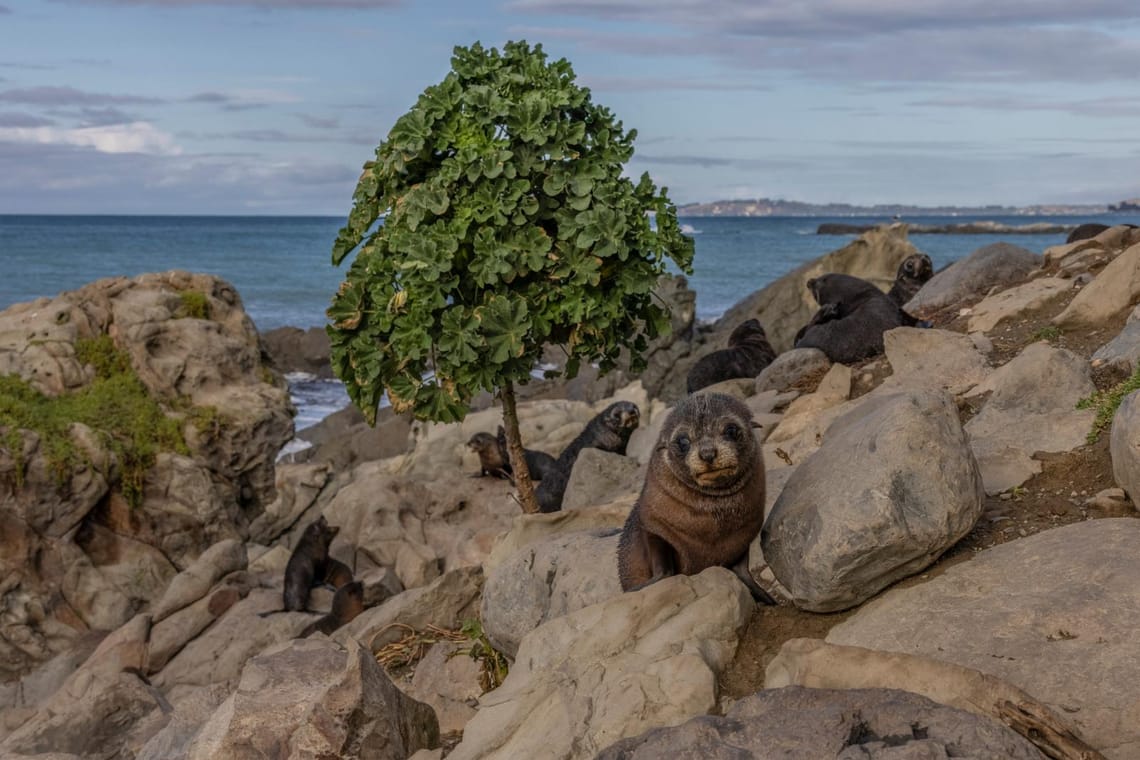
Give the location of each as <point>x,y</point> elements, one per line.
<point>282,268</point>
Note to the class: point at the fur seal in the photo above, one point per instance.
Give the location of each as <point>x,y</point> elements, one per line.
<point>310,564</point>
<point>703,499</point>
<point>853,315</point>
<point>347,603</point>
<point>495,457</point>
<point>747,354</point>
<point>913,273</point>
<point>609,431</point>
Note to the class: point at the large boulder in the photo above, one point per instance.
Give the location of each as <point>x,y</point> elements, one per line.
<point>994,265</point>
<point>1124,443</point>
<point>893,485</point>
<point>291,349</point>
<point>1032,407</point>
<point>612,670</point>
<point>1056,614</point>
<point>1122,353</point>
<point>1016,301</point>
<point>311,698</point>
<point>1114,290</point>
<point>933,359</point>
<point>846,724</point>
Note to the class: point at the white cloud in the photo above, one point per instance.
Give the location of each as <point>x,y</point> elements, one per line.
<point>134,137</point>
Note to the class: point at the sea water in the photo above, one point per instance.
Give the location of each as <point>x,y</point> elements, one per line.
<point>282,268</point>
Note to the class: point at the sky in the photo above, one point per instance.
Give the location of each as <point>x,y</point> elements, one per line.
<point>272,106</point>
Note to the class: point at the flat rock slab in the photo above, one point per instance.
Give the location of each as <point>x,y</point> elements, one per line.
<point>845,724</point>
<point>1056,614</point>
<point>614,669</point>
<point>1017,300</point>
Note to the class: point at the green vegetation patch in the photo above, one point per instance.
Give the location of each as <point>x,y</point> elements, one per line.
<point>116,405</point>
<point>1049,333</point>
<point>194,304</point>
<point>1106,403</point>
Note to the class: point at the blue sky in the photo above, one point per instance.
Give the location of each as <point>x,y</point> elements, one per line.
<point>271,106</point>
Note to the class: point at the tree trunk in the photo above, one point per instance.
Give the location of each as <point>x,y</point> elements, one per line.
<point>514,444</point>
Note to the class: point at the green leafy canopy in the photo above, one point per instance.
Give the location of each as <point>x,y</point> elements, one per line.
<point>508,224</point>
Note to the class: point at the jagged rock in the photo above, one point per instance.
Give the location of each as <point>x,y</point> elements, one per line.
<point>194,582</point>
<point>95,708</point>
<point>313,698</point>
<point>790,367</point>
<point>168,735</point>
<point>996,264</point>
<point>893,485</point>
<point>217,655</point>
<point>447,679</point>
<point>546,580</point>
<point>416,565</point>
<point>169,635</point>
<point>292,349</point>
<point>1016,301</point>
<point>1056,614</point>
<point>19,699</point>
<point>612,670</point>
<point>801,428</point>
<point>1122,352</point>
<point>936,359</point>
<point>600,476</point>
<point>1124,445</point>
<point>344,439</point>
<point>846,724</point>
<point>530,529</point>
<point>1114,290</point>
<point>298,487</point>
<point>446,602</point>
<point>1025,415</point>
<point>380,585</point>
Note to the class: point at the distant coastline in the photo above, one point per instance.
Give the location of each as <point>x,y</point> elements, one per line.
<point>769,207</point>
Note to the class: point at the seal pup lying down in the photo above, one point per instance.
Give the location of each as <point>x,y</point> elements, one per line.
<point>703,499</point>
<point>609,431</point>
<point>747,354</point>
<point>852,317</point>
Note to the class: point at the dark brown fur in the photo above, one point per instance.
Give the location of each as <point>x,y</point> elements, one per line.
<point>309,564</point>
<point>538,463</point>
<point>495,457</point>
<point>853,315</point>
<point>608,431</point>
<point>703,499</point>
<point>913,273</point>
<point>347,603</point>
<point>747,354</point>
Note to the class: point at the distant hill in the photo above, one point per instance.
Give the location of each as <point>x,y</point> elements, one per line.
<point>768,207</point>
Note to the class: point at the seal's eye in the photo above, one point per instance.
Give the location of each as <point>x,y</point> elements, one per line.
<point>682,443</point>
<point>732,432</point>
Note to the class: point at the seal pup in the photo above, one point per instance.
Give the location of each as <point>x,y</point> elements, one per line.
<point>609,431</point>
<point>495,457</point>
<point>538,463</point>
<point>702,503</point>
<point>852,317</point>
<point>747,354</point>
<point>913,273</point>
<point>347,603</point>
<point>310,564</point>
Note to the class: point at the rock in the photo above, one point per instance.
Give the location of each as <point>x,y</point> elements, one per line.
<point>19,699</point>
<point>194,582</point>
<point>1111,502</point>
<point>801,428</point>
<point>1055,614</point>
<point>599,477</point>
<point>1122,352</point>
<point>935,359</point>
<point>446,603</point>
<point>612,670</point>
<point>447,679</point>
<point>298,488</point>
<point>416,565</point>
<point>892,487</point>
<point>794,722</point>
<point>546,580</point>
<point>529,529</point>
<point>169,635</point>
<point>380,585</point>
<point>996,264</point>
<point>97,705</point>
<point>1124,445</point>
<point>1016,301</point>
<point>291,349</point>
<point>1025,415</point>
<point>169,735</point>
<point>313,698</point>
<point>790,368</point>
<point>1114,290</point>
<point>344,439</point>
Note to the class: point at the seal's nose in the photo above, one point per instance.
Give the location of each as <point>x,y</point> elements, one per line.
<point>707,453</point>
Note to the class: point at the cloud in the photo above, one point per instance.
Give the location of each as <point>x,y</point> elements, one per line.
<point>284,4</point>
<point>243,100</point>
<point>4,10</point>
<point>319,122</point>
<point>69,96</point>
<point>96,117</point>
<point>136,137</point>
<point>712,162</point>
<point>17,119</point>
<point>607,83</point>
<point>1122,107</point>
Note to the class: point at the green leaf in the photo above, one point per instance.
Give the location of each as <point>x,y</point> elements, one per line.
<point>505,327</point>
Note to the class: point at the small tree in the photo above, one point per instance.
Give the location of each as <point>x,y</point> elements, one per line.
<point>508,226</point>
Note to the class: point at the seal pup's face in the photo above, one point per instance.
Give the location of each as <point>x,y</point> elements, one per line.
<point>708,443</point>
<point>481,442</point>
<point>622,415</point>
<point>320,532</point>
<point>917,267</point>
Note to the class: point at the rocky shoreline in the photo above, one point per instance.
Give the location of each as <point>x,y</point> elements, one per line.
<point>970,547</point>
<point>956,228</point>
